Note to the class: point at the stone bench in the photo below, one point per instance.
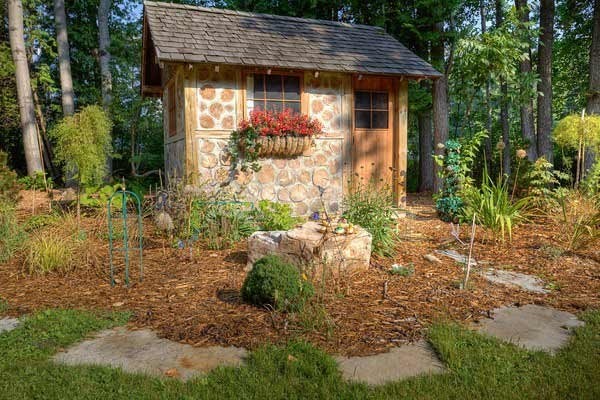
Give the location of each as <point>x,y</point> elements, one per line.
<point>310,248</point>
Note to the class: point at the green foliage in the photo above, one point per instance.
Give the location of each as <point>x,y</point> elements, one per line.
<point>590,185</point>
<point>448,203</point>
<point>97,196</point>
<point>37,182</point>
<point>221,224</point>
<point>38,221</point>
<point>370,206</point>
<point>272,216</point>
<point>542,180</point>
<point>11,233</point>
<point>573,130</point>
<point>276,283</point>
<point>248,157</point>
<point>83,143</point>
<point>9,185</point>
<point>492,207</point>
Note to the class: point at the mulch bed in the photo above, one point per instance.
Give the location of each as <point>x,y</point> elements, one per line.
<point>196,300</point>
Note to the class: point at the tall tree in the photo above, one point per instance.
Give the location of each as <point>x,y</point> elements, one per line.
<point>593,95</point>
<point>544,100</point>
<point>440,97</point>
<point>504,123</point>
<point>488,100</point>
<point>526,109</point>
<point>26,107</point>
<point>64,58</point>
<point>104,44</point>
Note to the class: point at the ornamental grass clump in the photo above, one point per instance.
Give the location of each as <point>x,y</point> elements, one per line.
<point>278,284</point>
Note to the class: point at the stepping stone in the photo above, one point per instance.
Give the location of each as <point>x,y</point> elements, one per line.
<point>8,324</point>
<point>529,283</point>
<point>400,363</point>
<point>532,327</point>
<point>456,256</point>
<point>142,351</point>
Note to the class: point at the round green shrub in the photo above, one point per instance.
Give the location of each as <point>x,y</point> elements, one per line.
<point>277,283</point>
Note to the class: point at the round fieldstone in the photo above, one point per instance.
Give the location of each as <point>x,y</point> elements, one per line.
<point>243,177</point>
<point>301,209</point>
<point>294,164</point>
<point>207,122</point>
<point>225,158</point>
<point>207,92</point>
<point>207,146</point>
<point>321,177</point>
<point>267,192</point>
<point>298,193</point>
<point>317,106</point>
<point>308,162</point>
<point>334,166</point>
<point>266,174</point>
<point>208,160</point>
<point>334,206</point>
<point>228,122</point>
<point>284,178</point>
<point>216,109</point>
<point>326,115</point>
<point>222,175</point>
<point>335,147</point>
<point>279,163</point>
<point>227,95</point>
<point>304,176</point>
<point>283,195</point>
<point>229,108</point>
<point>316,205</point>
<point>320,159</point>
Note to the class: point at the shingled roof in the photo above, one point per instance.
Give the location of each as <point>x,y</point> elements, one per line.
<point>182,33</point>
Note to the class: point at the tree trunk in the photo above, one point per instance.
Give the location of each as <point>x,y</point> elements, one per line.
<point>64,59</point>
<point>504,124</point>
<point>544,100</point>
<point>488,101</point>
<point>106,75</point>
<point>104,44</point>
<point>24,94</point>
<point>426,177</point>
<point>593,100</point>
<point>527,122</point>
<point>440,101</point>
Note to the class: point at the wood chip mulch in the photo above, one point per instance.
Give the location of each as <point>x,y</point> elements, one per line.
<point>197,300</point>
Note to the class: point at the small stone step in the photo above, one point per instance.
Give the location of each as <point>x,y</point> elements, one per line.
<point>529,283</point>
<point>400,363</point>
<point>532,327</point>
<point>142,351</point>
<point>8,324</point>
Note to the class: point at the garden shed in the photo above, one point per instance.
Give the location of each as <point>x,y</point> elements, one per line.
<point>212,67</point>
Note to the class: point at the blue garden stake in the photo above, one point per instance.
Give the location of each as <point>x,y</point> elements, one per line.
<point>125,196</point>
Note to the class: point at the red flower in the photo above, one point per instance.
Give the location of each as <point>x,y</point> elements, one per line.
<point>283,123</point>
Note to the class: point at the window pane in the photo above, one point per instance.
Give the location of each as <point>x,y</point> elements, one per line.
<point>259,88</point>
<point>380,119</point>
<point>362,100</point>
<point>380,101</point>
<point>295,107</point>
<point>291,87</point>
<point>274,86</point>
<point>363,119</point>
<point>274,106</point>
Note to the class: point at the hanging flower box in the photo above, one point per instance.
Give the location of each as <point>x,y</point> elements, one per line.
<point>272,134</point>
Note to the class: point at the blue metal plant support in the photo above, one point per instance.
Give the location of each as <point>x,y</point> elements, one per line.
<point>124,196</point>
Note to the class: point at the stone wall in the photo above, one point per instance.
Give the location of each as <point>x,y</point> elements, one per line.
<point>289,180</point>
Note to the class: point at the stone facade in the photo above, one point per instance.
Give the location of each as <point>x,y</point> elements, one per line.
<point>289,180</point>
<point>325,95</point>
<point>217,97</point>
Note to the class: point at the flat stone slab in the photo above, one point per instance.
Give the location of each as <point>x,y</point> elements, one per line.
<point>532,327</point>
<point>456,256</point>
<point>8,324</point>
<point>142,351</point>
<point>529,283</point>
<point>400,363</point>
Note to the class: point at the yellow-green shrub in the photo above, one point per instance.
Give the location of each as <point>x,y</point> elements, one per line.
<point>49,253</point>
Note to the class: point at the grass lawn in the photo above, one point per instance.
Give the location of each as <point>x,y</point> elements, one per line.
<point>478,368</point>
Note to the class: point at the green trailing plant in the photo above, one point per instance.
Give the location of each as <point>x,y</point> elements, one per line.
<point>9,185</point>
<point>12,234</point>
<point>222,224</point>
<point>276,283</point>
<point>371,207</point>
<point>83,143</point>
<point>272,216</point>
<point>491,206</point>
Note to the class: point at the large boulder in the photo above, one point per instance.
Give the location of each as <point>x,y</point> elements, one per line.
<point>311,249</point>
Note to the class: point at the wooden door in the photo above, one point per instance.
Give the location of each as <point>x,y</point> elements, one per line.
<point>372,136</point>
